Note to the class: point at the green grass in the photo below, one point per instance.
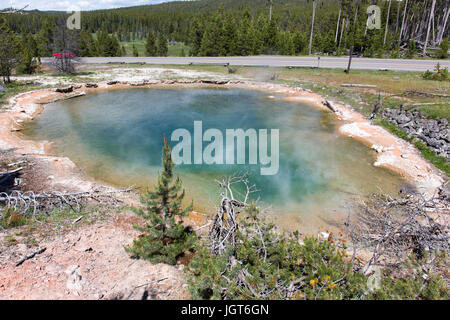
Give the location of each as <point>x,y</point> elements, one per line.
<point>391,82</point>
<point>75,74</point>
<point>14,88</point>
<point>11,219</point>
<point>430,155</point>
<point>174,50</point>
<point>11,240</point>
<point>436,111</point>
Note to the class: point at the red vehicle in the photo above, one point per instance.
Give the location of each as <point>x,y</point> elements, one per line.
<point>65,53</point>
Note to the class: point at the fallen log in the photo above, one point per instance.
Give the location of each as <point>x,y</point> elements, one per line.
<point>30,201</point>
<point>77,219</point>
<point>330,105</point>
<point>16,163</point>
<point>356,85</point>
<point>76,95</point>
<point>426,94</point>
<point>11,172</point>
<point>8,180</point>
<point>65,89</point>
<point>30,256</point>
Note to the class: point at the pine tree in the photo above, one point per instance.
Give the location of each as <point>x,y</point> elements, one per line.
<point>9,50</point>
<point>164,237</point>
<point>328,43</point>
<point>87,47</point>
<point>271,36</point>
<point>135,51</point>
<point>214,38</point>
<point>116,48</point>
<point>443,52</point>
<point>196,36</point>
<point>27,62</point>
<point>412,49</point>
<point>299,41</point>
<point>230,36</point>
<point>45,38</point>
<point>150,45</point>
<point>162,46</point>
<point>285,44</point>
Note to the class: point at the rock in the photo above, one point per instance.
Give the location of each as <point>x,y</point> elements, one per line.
<point>434,142</point>
<point>403,119</point>
<point>378,148</point>
<point>65,89</point>
<point>216,81</point>
<point>3,88</point>
<point>74,281</point>
<point>434,133</point>
<point>111,83</point>
<point>91,85</point>
<point>138,83</point>
<point>324,235</point>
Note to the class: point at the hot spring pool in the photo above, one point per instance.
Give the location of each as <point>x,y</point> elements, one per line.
<point>117,137</point>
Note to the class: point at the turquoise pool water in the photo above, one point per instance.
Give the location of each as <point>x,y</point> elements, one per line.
<point>117,137</point>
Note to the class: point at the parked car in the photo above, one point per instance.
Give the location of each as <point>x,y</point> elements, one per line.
<point>65,53</point>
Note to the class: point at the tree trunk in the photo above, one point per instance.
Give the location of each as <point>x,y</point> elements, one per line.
<point>398,17</point>
<point>423,22</point>
<point>433,39</point>
<point>387,22</point>
<point>403,21</point>
<point>444,25</point>
<point>337,25</point>
<point>356,13</point>
<point>429,27</point>
<point>312,27</point>
<point>342,32</point>
<point>349,61</point>
<point>270,10</point>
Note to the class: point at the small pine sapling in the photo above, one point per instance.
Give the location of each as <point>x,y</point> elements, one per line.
<point>164,238</point>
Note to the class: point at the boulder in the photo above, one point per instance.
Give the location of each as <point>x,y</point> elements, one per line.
<point>3,88</point>
<point>65,89</point>
<point>402,119</point>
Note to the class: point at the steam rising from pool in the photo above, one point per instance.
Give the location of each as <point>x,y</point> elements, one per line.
<point>117,137</point>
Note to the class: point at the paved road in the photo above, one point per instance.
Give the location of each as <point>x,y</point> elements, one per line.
<point>281,61</point>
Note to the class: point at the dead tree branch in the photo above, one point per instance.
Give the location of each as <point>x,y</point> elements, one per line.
<point>31,203</point>
<point>392,229</point>
<point>30,256</point>
<point>224,225</point>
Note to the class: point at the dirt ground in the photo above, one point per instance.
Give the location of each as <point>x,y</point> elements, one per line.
<point>88,262</point>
